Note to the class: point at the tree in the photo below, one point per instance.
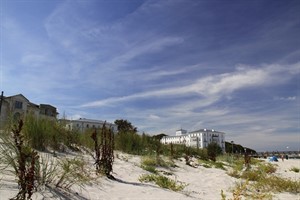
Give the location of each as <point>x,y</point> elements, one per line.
<point>125,126</point>
<point>213,150</point>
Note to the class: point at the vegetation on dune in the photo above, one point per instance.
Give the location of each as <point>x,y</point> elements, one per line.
<point>295,169</point>
<point>258,181</point>
<point>104,151</point>
<point>163,181</point>
<point>33,171</point>
<point>19,151</point>
<point>24,163</point>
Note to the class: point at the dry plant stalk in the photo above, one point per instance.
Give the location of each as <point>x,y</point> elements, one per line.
<point>104,155</point>
<point>26,164</point>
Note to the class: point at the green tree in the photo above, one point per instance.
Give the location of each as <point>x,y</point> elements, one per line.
<point>125,126</point>
<point>213,150</point>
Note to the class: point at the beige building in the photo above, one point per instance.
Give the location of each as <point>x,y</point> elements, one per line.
<point>17,106</point>
<point>83,124</point>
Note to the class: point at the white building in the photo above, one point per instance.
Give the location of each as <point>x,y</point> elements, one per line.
<point>83,124</point>
<point>200,138</point>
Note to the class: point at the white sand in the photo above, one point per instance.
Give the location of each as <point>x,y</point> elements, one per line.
<point>203,183</point>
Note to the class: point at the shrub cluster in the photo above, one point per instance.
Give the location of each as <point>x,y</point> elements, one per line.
<point>162,181</point>
<point>260,181</point>
<point>42,133</point>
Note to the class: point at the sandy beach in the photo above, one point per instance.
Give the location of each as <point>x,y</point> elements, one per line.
<point>201,183</point>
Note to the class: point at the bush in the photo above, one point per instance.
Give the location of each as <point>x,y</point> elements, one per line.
<point>267,168</point>
<point>129,142</point>
<point>278,184</point>
<point>16,153</point>
<point>42,133</point>
<point>149,163</point>
<point>213,150</point>
<point>295,169</point>
<point>70,172</point>
<point>252,175</point>
<point>210,164</point>
<point>163,182</point>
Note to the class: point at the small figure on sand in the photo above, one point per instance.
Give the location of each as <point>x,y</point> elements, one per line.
<point>282,157</point>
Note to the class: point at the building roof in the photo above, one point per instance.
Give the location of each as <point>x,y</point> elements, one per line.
<point>33,105</point>
<point>206,130</point>
<point>16,95</point>
<point>47,105</point>
<point>89,120</point>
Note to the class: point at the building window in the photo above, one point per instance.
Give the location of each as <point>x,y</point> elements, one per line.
<point>18,104</point>
<point>17,116</point>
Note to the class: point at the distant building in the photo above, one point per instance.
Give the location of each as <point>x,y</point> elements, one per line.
<point>17,106</point>
<point>200,138</point>
<point>83,124</point>
<point>48,110</point>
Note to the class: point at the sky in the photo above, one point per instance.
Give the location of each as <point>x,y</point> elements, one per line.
<point>232,66</point>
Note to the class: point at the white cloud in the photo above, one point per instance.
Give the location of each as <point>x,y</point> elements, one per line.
<point>154,117</point>
<point>291,98</point>
<point>213,87</point>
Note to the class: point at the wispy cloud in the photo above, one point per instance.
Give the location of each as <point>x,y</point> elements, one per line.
<point>214,86</point>
<point>292,98</point>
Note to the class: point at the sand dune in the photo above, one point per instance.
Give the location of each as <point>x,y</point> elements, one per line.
<point>202,183</point>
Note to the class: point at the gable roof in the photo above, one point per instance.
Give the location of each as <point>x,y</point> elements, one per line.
<point>16,96</point>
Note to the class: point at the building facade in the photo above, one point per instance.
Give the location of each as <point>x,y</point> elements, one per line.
<point>82,124</point>
<point>200,138</point>
<point>17,106</point>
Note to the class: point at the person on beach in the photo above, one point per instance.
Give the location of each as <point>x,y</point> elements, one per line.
<point>282,157</point>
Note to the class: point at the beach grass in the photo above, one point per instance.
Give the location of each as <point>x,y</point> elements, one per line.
<point>295,169</point>
<point>162,181</point>
<point>259,181</point>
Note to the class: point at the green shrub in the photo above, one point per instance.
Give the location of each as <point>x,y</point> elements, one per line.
<point>267,168</point>
<point>148,168</point>
<point>219,165</point>
<point>162,181</point>
<point>42,133</point>
<point>278,184</point>
<point>149,163</point>
<point>16,153</point>
<point>295,169</point>
<point>234,173</point>
<point>70,172</point>
<point>47,170</point>
<point>245,189</point>
<point>213,150</point>
<point>210,164</point>
<point>252,175</point>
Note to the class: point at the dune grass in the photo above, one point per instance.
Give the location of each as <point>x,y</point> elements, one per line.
<point>295,169</point>
<point>210,164</point>
<point>150,163</point>
<point>259,181</point>
<point>162,181</point>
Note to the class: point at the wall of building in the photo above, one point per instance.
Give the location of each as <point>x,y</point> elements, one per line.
<point>17,106</point>
<point>200,139</point>
<point>82,125</point>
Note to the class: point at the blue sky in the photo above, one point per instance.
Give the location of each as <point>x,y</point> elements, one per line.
<point>232,66</point>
